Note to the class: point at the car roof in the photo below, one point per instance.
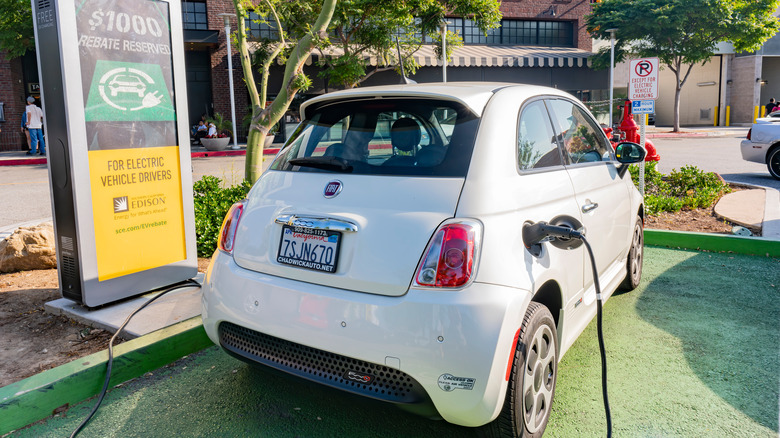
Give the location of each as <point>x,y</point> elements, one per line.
<point>474,95</point>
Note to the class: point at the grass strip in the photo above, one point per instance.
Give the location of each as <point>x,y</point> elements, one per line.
<point>713,242</point>
<point>42,395</point>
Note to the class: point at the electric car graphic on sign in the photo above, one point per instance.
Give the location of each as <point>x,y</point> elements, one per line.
<point>126,84</point>
<point>409,280</point>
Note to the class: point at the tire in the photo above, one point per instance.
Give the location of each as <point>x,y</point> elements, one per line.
<point>529,396</point>
<point>773,162</point>
<point>635,258</point>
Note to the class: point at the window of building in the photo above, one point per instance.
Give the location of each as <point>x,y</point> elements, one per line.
<point>194,15</point>
<point>257,28</point>
<point>517,32</point>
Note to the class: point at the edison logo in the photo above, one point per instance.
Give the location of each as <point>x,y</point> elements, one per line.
<point>120,204</point>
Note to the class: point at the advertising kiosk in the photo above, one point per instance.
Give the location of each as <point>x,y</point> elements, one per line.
<point>114,100</point>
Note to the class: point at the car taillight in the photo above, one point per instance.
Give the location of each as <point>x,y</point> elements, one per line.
<point>227,233</point>
<point>750,131</point>
<point>451,256</point>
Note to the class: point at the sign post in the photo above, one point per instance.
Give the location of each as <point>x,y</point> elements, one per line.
<point>112,81</point>
<point>642,91</point>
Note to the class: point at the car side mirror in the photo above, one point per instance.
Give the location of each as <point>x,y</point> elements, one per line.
<point>628,153</point>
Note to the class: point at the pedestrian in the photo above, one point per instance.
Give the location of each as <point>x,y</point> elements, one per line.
<point>24,128</point>
<point>212,131</point>
<point>770,106</point>
<point>35,127</point>
<point>201,131</point>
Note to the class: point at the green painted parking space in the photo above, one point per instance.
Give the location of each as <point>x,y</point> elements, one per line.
<point>693,352</point>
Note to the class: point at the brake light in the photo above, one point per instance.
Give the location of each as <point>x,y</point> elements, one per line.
<point>750,131</point>
<point>451,256</point>
<point>227,233</point>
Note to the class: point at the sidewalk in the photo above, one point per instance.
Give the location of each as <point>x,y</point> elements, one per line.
<point>653,131</point>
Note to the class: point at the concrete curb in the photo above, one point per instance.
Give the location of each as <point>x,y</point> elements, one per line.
<point>37,397</point>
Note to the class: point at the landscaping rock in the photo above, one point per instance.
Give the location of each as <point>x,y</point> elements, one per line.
<point>29,248</point>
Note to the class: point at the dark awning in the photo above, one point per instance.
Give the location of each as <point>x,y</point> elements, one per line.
<point>201,36</point>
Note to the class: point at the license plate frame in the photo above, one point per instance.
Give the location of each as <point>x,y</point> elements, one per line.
<point>309,248</point>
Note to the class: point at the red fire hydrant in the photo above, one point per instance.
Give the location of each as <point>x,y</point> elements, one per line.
<point>630,133</point>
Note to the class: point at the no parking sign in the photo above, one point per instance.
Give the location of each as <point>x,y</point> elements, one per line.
<point>643,79</point>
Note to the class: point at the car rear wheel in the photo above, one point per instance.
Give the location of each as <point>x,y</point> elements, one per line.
<point>532,382</point>
<point>635,258</point>
<point>773,162</point>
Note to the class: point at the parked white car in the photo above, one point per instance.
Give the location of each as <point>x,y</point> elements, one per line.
<point>769,118</point>
<point>762,144</point>
<point>382,253</point>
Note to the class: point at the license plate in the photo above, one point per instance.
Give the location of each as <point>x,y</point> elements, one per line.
<point>309,248</point>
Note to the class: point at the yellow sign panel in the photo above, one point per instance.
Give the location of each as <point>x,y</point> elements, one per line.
<point>137,209</point>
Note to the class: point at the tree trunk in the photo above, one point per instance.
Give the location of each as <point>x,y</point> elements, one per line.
<point>264,118</point>
<point>253,165</point>
<point>677,89</point>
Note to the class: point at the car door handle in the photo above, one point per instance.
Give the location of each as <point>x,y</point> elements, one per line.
<point>318,223</point>
<point>587,208</point>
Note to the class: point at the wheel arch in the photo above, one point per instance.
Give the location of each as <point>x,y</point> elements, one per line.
<point>551,296</point>
<point>771,149</point>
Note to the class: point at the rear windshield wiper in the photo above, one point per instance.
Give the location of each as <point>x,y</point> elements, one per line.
<point>326,163</point>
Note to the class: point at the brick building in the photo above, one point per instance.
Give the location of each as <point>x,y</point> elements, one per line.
<point>541,42</point>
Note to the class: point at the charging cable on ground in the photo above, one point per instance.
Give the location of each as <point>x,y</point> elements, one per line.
<point>599,305</point>
<point>187,283</point>
<point>533,235</point>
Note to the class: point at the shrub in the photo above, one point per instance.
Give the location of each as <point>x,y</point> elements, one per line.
<point>688,188</point>
<point>211,205</point>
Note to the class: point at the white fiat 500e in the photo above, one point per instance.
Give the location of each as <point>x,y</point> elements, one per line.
<point>382,251</point>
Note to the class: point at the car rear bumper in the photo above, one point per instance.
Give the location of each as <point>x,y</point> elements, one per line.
<point>755,152</point>
<point>454,346</point>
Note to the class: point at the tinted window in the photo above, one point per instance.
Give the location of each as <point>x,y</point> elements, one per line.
<point>536,145</point>
<point>582,139</point>
<point>387,136</point>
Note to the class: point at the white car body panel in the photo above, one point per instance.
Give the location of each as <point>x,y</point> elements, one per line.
<point>474,95</point>
<point>477,326</point>
<point>763,136</point>
<point>391,213</point>
<point>753,151</point>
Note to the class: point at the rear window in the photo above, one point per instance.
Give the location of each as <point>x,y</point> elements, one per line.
<point>416,137</point>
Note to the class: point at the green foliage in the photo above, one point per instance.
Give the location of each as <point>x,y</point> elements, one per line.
<point>686,189</point>
<point>301,82</point>
<point>684,31</point>
<point>681,33</point>
<point>16,28</point>
<point>212,203</point>
<point>367,27</point>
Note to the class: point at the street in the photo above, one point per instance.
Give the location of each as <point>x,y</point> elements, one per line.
<point>26,188</point>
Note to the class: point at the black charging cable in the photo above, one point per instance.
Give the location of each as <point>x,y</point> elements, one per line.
<point>187,283</point>
<point>533,235</point>
<point>599,301</point>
